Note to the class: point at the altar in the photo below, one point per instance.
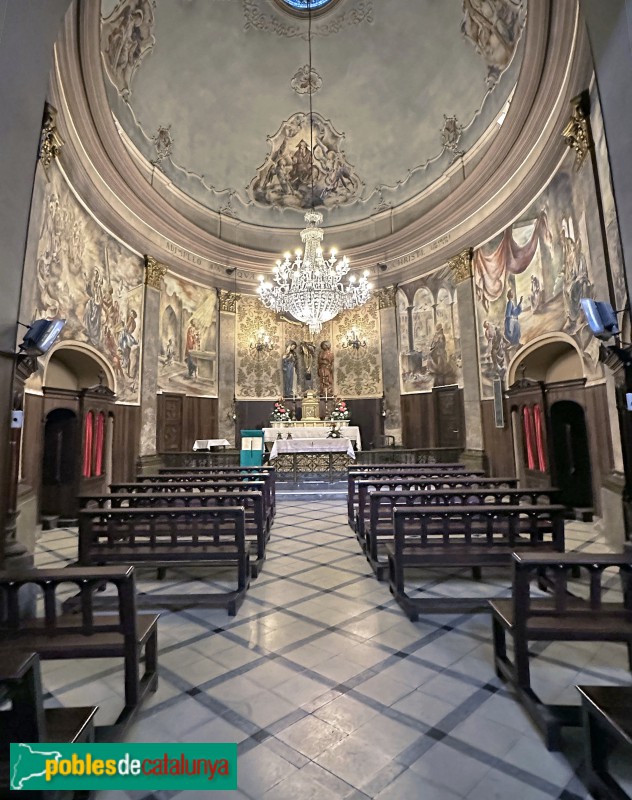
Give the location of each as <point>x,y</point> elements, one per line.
<point>320,458</point>
<point>310,429</point>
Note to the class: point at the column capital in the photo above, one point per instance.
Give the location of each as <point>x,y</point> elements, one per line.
<point>461,265</point>
<point>50,140</point>
<point>577,133</point>
<point>228,301</point>
<point>154,272</point>
<point>386,297</point>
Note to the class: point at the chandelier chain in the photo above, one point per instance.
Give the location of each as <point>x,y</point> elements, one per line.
<point>309,286</point>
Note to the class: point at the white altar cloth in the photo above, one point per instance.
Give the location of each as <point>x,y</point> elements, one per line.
<point>348,432</point>
<point>206,444</point>
<point>312,446</point>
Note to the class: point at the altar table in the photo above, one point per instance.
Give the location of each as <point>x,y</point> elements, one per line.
<point>312,446</point>
<point>324,459</point>
<point>299,431</point>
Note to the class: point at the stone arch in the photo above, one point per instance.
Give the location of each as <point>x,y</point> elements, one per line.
<point>81,359</point>
<point>548,358</point>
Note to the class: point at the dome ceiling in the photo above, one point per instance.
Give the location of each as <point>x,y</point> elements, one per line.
<point>214,94</point>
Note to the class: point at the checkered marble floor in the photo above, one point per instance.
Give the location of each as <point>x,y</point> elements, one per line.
<point>331,693</point>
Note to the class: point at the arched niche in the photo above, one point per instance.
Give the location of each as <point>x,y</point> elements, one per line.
<point>547,360</point>
<point>76,366</point>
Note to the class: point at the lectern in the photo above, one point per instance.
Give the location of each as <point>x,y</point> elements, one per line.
<point>251,454</point>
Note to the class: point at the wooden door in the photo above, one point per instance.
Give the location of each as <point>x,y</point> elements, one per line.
<point>60,464</point>
<point>570,454</point>
<point>448,416</point>
<point>171,423</point>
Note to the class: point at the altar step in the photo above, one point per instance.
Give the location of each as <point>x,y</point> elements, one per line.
<point>310,490</point>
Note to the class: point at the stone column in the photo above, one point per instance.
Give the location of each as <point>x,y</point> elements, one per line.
<point>226,415</point>
<point>461,267</point>
<point>390,363</point>
<point>149,369</point>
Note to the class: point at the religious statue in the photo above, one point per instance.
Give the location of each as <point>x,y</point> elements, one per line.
<point>289,368</point>
<point>306,352</point>
<point>326,369</point>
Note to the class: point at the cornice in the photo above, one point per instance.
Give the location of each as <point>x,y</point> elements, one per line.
<point>199,243</point>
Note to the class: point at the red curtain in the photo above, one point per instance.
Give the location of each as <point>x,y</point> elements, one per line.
<point>87,445</point>
<point>539,437</point>
<point>99,444</point>
<point>529,438</point>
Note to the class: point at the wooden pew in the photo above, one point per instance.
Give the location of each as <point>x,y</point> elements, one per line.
<point>356,473</point>
<point>238,488</point>
<point>256,524</point>
<point>165,536</point>
<point>454,537</point>
<point>606,719</point>
<point>409,483</point>
<point>26,719</point>
<point>379,529</point>
<point>267,474</point>
<point>54,635</point>
<point>575,610</point>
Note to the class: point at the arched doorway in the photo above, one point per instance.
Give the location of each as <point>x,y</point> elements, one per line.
<point>79,418</point>
<point>569,440</point>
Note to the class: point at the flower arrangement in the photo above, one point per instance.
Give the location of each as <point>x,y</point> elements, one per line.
<point>280,413</point>
<point>340,410</point>
<point>334,432</point>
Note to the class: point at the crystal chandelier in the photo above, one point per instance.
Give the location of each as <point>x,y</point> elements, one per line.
<point>310,287</point>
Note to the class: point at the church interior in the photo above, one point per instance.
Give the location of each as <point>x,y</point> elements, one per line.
<point>329,410</point>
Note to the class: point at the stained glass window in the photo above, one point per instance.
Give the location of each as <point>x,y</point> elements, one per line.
<point>302,5</point>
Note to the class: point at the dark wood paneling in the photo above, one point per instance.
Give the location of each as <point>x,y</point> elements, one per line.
<point>252,415</point>
<point>449,416</point>
<point>497,442</point>
<point>421,426</point>
<point>418,420</point>
<point>365,413</point>
<point>125,439</point>
<point>32,437</point>
<point>200,419</point>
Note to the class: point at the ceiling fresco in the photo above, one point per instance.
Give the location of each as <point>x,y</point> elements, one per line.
<point>216,95</point>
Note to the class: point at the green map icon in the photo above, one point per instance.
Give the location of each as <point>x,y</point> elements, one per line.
<point>30,763</point>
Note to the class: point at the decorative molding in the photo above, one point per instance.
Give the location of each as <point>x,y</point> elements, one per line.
<point>50,140</point>
<point>451,135</point>
<point>154,272</point>
<point>228,301</point>
<point>386,297</point>
<point>163,143</point>
<point>303,80</point>
<point>257,19</point>
<point>127,36</point>
<point>461,265</point>
<point>577,133</point>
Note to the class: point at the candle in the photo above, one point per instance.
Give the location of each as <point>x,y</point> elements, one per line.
<point>325,395</point>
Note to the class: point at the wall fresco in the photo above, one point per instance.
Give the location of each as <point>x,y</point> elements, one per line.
<point>358,372</point>
<point>89,279</point>
<point>428,333</point>
<point>530,279</point>
<point>188,338</point>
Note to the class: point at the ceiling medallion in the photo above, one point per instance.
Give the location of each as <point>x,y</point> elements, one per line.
<point>301,8</point>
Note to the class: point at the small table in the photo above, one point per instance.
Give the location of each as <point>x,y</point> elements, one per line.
<point>207,444</point>
<point>606,714</point>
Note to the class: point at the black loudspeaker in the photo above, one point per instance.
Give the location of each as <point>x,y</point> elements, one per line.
<point>41,336</point>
